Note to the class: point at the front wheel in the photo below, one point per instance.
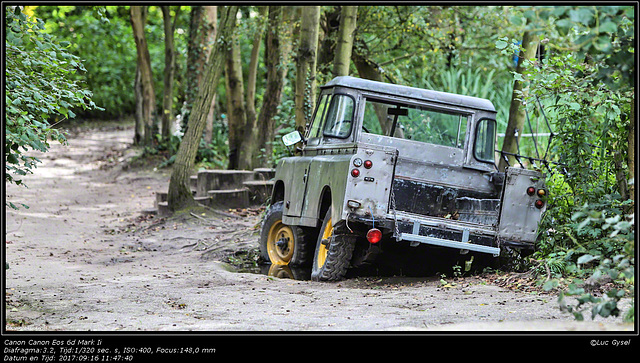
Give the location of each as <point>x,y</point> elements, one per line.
<point>333,253</point>
<point>282,244</point>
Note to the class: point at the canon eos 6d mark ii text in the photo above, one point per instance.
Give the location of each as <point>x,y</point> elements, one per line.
<point>382,165</point>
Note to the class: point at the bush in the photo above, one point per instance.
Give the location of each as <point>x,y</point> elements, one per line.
<point>40,87</point>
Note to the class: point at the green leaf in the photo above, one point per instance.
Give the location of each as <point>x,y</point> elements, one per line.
<point>11,159</point>
<point>574,106</point>
<point>581,15</point>
<point>584,259</point>
<point>608,27</point>
<point>550,285</point>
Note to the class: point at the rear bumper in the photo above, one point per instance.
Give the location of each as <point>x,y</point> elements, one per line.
<point>463,244</point>
<point>417,229</point>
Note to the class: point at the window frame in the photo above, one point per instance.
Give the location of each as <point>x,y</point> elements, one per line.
<point>478,128</point>
<point>315,115</point>
<point>460,136</point>
<point>326,115</point>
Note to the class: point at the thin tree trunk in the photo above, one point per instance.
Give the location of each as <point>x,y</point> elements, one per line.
<point>517,116</point>
<point>344,45</point>
<point>235,101</point>
<point>276,54</point>
<point>210,23</point>
<point>138,20</point>
<point>306,66</point>
<point>202,31</point>
<point>180,196</point>
<point>169,71</point>
<point>139,126</point>
<point>247,145</point>
<point>208,129</point>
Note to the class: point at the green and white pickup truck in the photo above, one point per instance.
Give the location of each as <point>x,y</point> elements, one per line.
<point>383,164</point>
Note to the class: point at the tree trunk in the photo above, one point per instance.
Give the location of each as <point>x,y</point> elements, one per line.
<point>277,51</point>
<point>235,101</point>
<point>306,66</point>
<point>247,146</point>
<point>208,129</point>
<point>367,69</point>
<point>202,31</point>
<point>180,196</point>
<point>515,126</point>
<point>139,126</point>
<point>138,20</point>
<point>344,45</point>
<point>169,71</point>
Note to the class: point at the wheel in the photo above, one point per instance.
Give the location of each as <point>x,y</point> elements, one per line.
<point>333,253</point>
<point>282,244</point>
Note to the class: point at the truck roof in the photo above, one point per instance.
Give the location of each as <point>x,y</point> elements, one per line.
<point>411,92</point>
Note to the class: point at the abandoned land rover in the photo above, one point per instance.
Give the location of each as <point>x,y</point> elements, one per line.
<point>382,165</point>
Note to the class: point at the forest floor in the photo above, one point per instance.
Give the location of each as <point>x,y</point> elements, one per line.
<point>88,256</point>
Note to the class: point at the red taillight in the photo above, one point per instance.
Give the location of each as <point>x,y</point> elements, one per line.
<point>531,190</point>
<point>374,235</point>
<point>368,164</point>
<point>539,204</point>
<point>355,173</point>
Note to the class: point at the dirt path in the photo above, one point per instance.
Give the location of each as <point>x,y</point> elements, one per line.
<point>84,257</point>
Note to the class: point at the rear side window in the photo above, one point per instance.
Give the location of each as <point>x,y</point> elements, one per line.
<point>339,119</point>
<point>484,148</point>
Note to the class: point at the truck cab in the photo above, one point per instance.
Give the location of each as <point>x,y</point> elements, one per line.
<point>385,164</point>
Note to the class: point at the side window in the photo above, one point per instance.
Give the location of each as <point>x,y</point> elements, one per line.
<point>314,131</point>
<point>484,148</point>
<point>339,117</point>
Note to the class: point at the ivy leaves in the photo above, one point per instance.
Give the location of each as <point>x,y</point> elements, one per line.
<point>39,88</point>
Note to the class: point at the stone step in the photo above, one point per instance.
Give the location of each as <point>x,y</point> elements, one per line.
<point>161,196</point>
<point>163,209</point>
<point>264,173</point>
<point>229,198</point>
<point>220,179</point>
<point>259,190</point>
<point>206,201</point>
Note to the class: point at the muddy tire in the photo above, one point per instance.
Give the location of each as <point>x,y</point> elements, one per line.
<point>282,244</point>
<point>330,263</point>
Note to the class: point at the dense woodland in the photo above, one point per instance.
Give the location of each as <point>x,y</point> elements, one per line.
<point>217,86</point>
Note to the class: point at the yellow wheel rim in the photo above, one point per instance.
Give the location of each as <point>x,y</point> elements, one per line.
<point>280,243</point>
<point>321,257</point>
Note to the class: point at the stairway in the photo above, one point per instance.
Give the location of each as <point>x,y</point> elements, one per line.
<point>224,189</point>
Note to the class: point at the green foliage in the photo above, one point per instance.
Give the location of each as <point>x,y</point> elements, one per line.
<point>285,123</point>
<point>40,87</point>
<point>211,155</point>
<point>102,37</point>
<point>587,231</point>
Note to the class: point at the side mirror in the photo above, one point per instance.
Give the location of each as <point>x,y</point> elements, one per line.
<point>291,138</point>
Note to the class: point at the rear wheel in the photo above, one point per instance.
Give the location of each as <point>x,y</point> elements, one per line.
<point>282,244</point>
<point>333,253</point>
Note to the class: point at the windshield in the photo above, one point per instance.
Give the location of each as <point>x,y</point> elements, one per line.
<point>414,122</point>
